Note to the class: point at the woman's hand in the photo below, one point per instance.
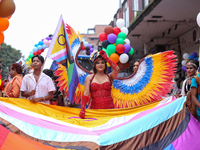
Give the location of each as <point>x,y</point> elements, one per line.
<point>104,55</point>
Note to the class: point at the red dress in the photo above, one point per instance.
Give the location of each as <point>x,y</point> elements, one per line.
<point>101,95</point>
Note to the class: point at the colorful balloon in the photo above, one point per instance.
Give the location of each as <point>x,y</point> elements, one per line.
<point>185,56</point>
<point>112,38</point>
<point>127,41</point>
<point>198,19</point>
<point>127,48</point>
<point>120,23</point>
<point>119,41</point>
<point>1,37</point>
<point>102,37</point>
<point>122,35</point>
<point>125,30</point>
<point>123,58</point>
<point>195,54</point>
<point>116,30</point>
<point>114,57</point>
<point>105,43</point>
<point>108,29</point>
<point>4,23</point>
<point>7,8</point>
<point>111,49</point>
<point>120,48</point>
<point>131,51</point>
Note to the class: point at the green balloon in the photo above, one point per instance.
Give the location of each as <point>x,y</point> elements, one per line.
<point>111,49</point>
<point>119,41</point>
<point>27,59</point>
<point>122,35</point>
<point>131,51</point>
<point>30,56</point>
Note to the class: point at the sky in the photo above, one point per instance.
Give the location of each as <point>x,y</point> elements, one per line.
<point>34,20</point>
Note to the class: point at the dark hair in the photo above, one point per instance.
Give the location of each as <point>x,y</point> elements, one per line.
<point>137,60</point>
<point>94,67</point>
<point>17,67</point>
<point>41,58</point>
<point>48,72</point>
<point>194,61</point>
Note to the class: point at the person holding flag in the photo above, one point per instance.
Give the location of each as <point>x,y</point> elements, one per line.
<point>99,84</point>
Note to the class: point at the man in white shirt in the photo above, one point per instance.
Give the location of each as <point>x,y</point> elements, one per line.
<point>37,86</point>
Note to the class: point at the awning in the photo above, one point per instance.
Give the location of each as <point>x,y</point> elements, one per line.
<point>162,21</point>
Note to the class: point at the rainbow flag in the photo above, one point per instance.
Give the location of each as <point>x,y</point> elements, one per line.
<point>60,51</point>
<point>162,125</point>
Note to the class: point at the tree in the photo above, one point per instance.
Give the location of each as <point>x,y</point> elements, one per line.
<point>8,56</point>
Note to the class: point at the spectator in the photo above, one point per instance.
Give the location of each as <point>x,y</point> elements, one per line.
<point>195,95</point>
<point>136,65</point>
<point>37,86</point>
<point>12,88</point>
<point>191,69</point>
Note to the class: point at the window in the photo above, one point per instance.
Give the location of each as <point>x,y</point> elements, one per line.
<point>126,14</point>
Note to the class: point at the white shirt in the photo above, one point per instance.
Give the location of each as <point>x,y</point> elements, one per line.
<point>43,87</point>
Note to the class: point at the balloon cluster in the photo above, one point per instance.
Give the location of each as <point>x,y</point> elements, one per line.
<point>7,8</point>
<point>115,43</point>
<point>38,49</point>
<point>88,47</point>
<point>186,57</point>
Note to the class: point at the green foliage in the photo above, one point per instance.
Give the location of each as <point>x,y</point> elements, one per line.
<point>8,56</point>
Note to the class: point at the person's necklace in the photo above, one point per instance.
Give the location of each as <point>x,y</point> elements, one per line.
<point>36,76</point>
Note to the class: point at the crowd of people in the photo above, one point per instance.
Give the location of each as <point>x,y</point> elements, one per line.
<point>41,86</point>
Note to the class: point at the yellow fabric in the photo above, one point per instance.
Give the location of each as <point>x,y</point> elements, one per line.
<point>64,113</point>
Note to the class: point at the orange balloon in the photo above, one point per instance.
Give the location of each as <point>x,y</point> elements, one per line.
<point>114,57</point>
<point>1,37</point>
<point>4,23</point>
<point>7,8</point>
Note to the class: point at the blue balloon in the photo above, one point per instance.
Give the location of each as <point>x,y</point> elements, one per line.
<point>44,46</point>
<point>191,56</point>
<point>39,47</point>
<point>36,45</point>
<point>86,44</point>
<point>40,43</point>
<point>35,49</point>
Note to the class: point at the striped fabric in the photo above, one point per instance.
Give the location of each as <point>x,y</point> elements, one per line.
<point>160,125</point>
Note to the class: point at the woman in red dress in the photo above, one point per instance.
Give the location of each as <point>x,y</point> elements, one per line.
<point>99,84</point>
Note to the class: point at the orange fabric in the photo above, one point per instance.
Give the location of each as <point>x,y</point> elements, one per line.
<point>17,142</point>
<point>12,89</point>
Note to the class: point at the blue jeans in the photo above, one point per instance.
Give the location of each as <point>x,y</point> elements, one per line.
<point>198,118</point>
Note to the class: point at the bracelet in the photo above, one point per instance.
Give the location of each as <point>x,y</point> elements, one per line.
<point>43,98</point>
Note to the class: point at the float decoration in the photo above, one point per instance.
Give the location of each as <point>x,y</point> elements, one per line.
<point>39,48</point>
